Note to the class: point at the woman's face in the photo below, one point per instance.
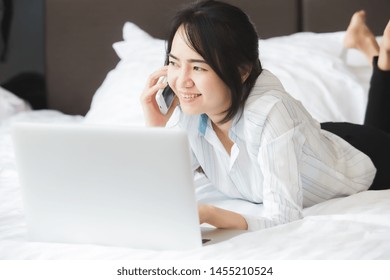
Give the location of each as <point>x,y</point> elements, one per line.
<point>195,83</point>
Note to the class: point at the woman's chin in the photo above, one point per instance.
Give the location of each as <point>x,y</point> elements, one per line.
<point>190,110</point>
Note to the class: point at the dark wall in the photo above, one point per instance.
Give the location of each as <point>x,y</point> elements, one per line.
<point>23,63</point>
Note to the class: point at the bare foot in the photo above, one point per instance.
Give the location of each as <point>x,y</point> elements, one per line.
<point>359,36</point>
<point>384,52</point>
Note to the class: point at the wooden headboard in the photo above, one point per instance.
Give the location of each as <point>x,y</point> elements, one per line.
<point>79,34</point>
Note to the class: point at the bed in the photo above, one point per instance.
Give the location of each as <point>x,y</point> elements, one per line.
<point>98,57</point>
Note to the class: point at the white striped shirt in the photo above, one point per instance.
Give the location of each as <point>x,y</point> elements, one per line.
<point>280,156</point>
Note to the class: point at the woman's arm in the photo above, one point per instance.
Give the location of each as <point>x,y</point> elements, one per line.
<point>280,158</point>
<point>221,218</point>
<point>278,154</point>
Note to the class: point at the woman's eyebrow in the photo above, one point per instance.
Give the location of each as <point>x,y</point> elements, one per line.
<point>189,60</point>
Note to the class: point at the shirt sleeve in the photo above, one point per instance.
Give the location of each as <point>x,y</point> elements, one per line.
<point>279,157</point>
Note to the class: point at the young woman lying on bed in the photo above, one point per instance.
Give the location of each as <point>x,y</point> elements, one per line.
<point>252,140</point>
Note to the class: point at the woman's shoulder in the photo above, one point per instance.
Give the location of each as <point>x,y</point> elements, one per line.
<point>266,93</point>
<point>269,100</point>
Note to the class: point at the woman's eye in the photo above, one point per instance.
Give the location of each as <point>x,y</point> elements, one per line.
<point>197,68</point>
<point>172,63</point>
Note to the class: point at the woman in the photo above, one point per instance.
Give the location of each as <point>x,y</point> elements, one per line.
<point>251,139</point>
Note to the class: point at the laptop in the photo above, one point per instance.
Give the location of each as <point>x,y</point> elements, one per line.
<point>109,185</point>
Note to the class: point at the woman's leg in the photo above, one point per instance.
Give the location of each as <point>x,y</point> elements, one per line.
<point>377,113</point>
<point>360,37</point>
<point>378,105</point>
<point>372,138</point>
<point>373,142</point>
<point>384,50</point>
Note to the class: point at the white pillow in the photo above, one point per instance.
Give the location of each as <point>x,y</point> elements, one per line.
<point>310,66</point>
<point>315,70</point>
<point>117,99</point>
<point>10,104</point>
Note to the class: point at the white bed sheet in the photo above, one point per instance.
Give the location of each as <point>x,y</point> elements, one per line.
<point>354,227</point>
<point>10,104</point>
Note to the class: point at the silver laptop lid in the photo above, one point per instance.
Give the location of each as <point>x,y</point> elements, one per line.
<point>105,185</point>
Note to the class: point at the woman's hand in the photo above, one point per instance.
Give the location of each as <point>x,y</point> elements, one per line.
<point>221,218</point>
<point>153,116</point>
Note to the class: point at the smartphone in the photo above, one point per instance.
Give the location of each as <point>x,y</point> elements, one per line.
<point>164,97</point>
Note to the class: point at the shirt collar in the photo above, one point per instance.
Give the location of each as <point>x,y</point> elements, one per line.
<point>203,122</point>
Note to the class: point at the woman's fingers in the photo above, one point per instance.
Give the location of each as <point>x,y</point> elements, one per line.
<point>153,78</point>
<point>153,116</point>
<point>152,85</point>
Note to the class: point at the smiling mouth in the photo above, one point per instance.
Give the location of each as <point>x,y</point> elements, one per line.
<point>190,96</point>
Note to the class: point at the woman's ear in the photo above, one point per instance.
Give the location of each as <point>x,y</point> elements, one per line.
<point>245,71</point>
<point>244,77</point>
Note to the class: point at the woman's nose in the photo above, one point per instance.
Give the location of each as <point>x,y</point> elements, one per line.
<point>184,79</point>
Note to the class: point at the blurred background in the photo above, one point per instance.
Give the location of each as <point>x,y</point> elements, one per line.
<point>22,49</point>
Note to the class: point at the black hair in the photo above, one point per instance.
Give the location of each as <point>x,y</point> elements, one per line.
<point>227,40</point>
